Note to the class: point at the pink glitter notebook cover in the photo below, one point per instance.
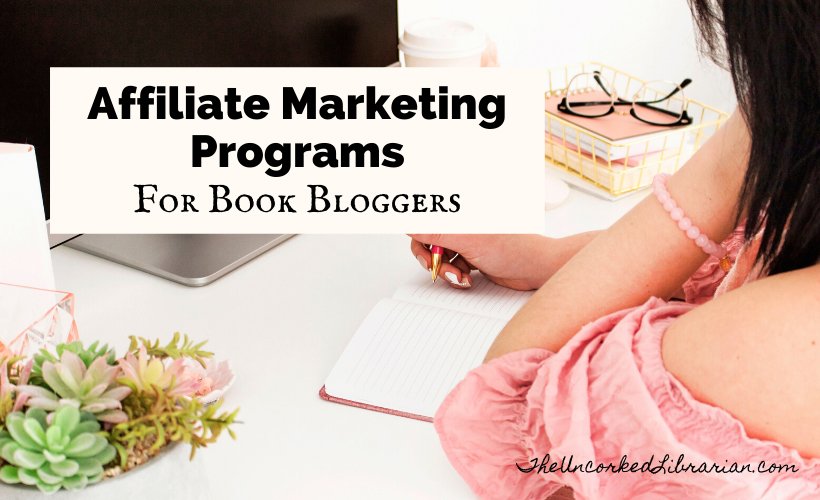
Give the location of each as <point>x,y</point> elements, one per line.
<point>333,399</point>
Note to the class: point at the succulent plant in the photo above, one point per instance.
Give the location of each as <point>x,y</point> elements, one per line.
<point>180,346</point>
<point>211,381</point>
<point>12,370</point>
<point>157,419</point>
<point>69,382</point>
<point>6,390</point>
<point>87,354</point>
<point>145,373</point>
<point>69,453</point>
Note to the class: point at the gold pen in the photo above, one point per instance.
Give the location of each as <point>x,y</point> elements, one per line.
<point>437,252</point>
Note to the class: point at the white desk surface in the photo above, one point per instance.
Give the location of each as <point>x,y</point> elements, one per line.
<point>282,320</point>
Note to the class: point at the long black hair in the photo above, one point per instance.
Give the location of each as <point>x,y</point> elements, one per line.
<point>772,49</point>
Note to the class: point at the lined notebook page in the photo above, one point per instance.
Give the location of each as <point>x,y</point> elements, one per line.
<point>408,354</point>
<point>484,297</point>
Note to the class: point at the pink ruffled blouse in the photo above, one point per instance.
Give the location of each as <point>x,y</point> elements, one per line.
<point>603,417</point>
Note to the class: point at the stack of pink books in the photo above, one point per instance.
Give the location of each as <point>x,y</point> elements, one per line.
<point>615,141</point>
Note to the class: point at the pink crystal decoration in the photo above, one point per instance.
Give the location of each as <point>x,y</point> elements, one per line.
<point>32,318</point>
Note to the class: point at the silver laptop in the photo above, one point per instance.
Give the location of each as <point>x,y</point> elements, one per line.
<point>190,259</point>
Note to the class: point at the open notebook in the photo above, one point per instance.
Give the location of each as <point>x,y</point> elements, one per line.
<point>413,348</point>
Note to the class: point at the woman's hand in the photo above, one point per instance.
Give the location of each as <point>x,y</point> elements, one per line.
<point>517,261</point>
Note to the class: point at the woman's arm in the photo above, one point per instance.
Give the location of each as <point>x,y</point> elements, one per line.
<point>755,352</point>
<point>644,254</point>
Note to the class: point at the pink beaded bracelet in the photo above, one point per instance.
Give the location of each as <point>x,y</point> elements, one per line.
<point>686,225</point>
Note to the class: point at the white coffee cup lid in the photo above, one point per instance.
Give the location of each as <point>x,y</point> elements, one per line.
<point>437,38</point>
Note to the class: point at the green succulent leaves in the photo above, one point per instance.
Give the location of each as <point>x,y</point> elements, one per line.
<point>91,388</point>
<point>180,346</point>
<point>87,354</point>
<point>70,452</point>
<point>145,401</point>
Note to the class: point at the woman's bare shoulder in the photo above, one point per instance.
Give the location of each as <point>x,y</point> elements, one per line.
<point>756,353</point>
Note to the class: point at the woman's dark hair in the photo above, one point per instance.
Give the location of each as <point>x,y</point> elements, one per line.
<point>772,49</point>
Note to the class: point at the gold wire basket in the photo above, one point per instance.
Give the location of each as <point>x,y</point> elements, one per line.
<point>617,168</point>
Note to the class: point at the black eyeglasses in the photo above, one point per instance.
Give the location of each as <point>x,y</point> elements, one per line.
<point>660,102</point>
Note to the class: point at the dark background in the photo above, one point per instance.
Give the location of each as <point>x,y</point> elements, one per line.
<point>38,34</point>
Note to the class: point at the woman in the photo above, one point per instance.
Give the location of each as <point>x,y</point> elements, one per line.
<point>602,367</point>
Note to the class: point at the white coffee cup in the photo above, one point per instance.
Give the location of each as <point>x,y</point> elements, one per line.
<point>442,42</point>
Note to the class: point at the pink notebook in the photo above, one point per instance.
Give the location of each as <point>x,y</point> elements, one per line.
<point>333,399</point>
<point>414,347</point>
